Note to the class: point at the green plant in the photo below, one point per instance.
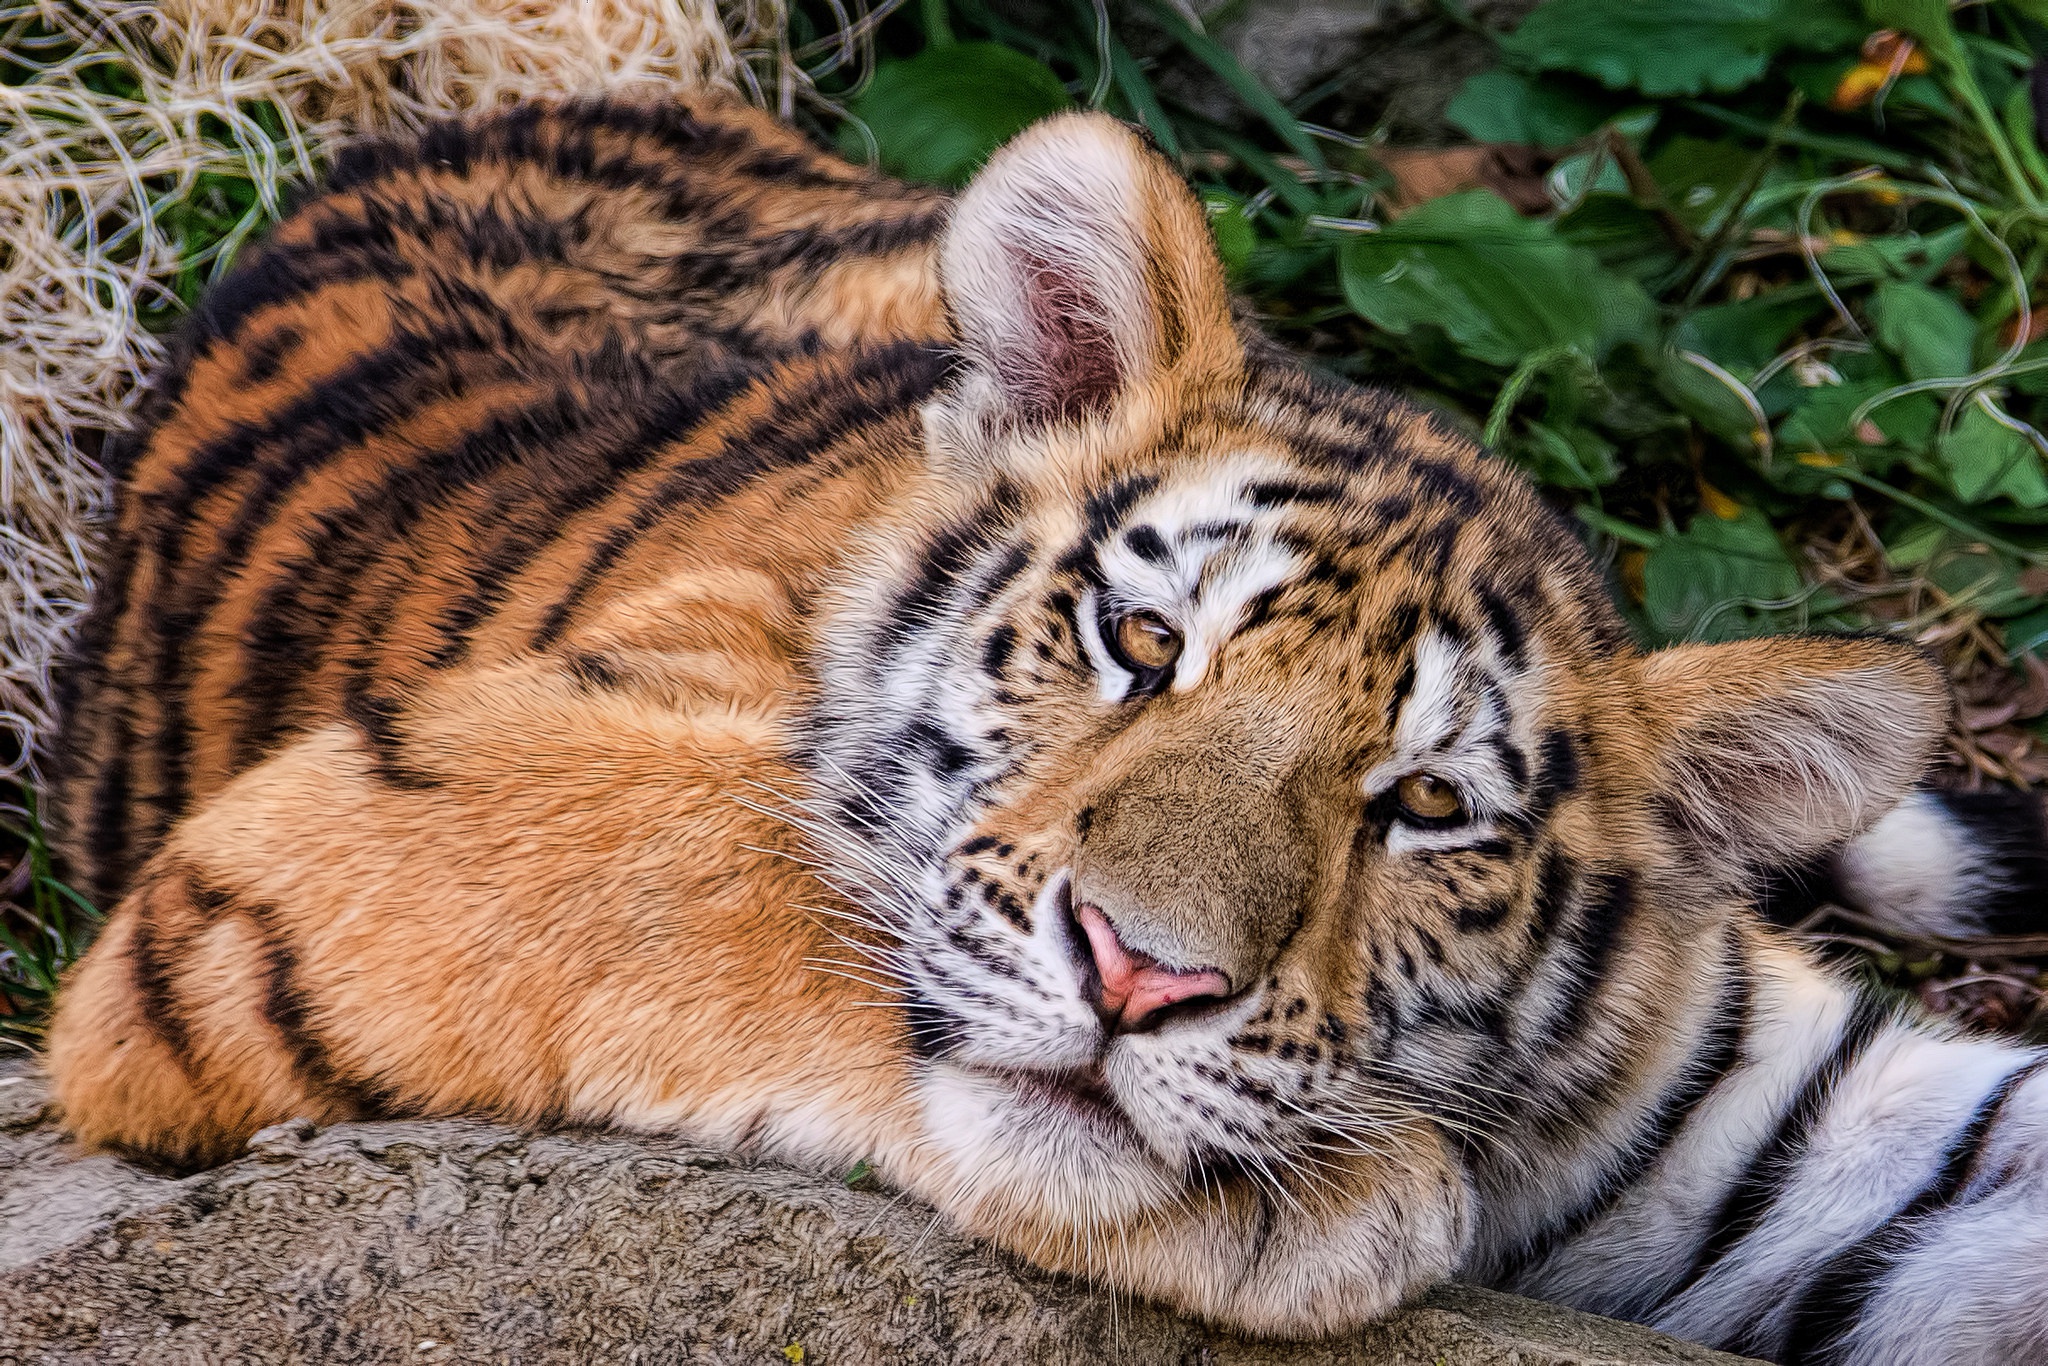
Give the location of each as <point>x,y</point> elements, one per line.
<point>43,923</point>
<point>1772,298</point>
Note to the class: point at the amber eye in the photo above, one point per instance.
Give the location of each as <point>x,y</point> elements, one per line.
<point>1429,800</point>
<point>1145,643</point>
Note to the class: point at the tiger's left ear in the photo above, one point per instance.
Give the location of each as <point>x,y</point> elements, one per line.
<point>1078,268</point>
<point>1772,751</point>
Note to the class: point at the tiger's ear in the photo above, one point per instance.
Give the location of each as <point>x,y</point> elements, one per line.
<point>1772,751</point>
<point>1078,267</point>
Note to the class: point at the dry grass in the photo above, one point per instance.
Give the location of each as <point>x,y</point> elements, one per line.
<point>140,144</point>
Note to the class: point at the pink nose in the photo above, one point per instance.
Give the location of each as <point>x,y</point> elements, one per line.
<point>1134,985</point>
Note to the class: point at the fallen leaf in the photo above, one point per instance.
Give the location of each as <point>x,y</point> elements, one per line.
<point>1425,173</point>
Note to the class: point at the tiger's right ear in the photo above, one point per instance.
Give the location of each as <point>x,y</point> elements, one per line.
<point>1079,270</point>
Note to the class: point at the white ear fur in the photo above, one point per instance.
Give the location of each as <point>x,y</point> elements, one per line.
<point>1075,265</point>
<point>1779,749</point>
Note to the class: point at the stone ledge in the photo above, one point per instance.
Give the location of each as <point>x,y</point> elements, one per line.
<point>462,1241</point>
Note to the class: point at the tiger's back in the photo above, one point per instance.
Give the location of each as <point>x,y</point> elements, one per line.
<point>441,403</point>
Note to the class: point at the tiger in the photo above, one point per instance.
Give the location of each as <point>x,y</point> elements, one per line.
<point>615,616</point>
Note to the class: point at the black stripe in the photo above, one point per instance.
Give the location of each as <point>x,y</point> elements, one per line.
<point>107,838</point>
<point>945,559</point>
<point>995,653</point>
<point>1147,544</point>
<point>364,398</point>
<point>286,1008</point>
<point>492,573</point>
<point>377,717</point>
<point>1274,492</point>
<point>1505,624</point>
<point>1606,902</point>
<point>1747,1201</point>
<point>1557,777</point>
<point>875,386</point>
<point>1719,1051</point>
<point>1834,1300</point>
<point>150,971</point>
<point>286,634</point>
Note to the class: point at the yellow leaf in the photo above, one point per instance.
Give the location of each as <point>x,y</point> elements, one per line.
<point>1719,503</point>
<point>1821,460</point>
<point>1857,85</point>
<point>793,1353</point>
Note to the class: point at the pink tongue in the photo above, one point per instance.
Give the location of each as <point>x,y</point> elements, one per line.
<point>1134,984</point>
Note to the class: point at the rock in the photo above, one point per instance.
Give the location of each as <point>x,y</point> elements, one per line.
<point>463,1241</point>
<point>1385,66</point>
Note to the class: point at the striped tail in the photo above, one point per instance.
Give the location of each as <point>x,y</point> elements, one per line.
<point>1941,865</point>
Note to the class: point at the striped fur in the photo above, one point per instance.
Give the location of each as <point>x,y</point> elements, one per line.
<point>619,618</point>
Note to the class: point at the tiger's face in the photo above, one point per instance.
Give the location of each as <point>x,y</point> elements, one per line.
<point>1250,782</point>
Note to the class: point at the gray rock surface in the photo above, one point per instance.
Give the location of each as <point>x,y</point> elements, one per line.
<point>462,1241</point>
<point>1390,66</point>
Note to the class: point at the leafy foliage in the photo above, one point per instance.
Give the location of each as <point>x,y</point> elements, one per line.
<point>1780,282</point>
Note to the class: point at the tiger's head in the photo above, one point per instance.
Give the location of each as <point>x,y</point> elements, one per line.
<point>1263,806</point>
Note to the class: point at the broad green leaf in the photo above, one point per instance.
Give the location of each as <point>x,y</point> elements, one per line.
<point>1504,106</point>
<point>1719,580</point>
<point>938,115</point>
<point>1821,422</point>
<point>1501,286</point>
<point>1678,49</point>
<point>1916,546</point>
<point>1930,333</point>
<point>1700,177</point>
<point>1744,336</point>
<point>1625,236</point>
<point>1706,399</point>
<point>1986,460</point>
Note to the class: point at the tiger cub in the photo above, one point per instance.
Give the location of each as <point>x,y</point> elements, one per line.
<point>617,617</point>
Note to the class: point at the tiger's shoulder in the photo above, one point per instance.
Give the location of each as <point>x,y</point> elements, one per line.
<point>397,404</point>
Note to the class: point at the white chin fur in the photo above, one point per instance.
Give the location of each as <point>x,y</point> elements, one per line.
<point>1016,1148</point>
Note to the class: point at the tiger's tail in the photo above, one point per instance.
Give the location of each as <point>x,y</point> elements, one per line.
<point>1944,865</point>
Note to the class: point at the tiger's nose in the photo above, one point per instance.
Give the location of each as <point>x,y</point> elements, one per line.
<point>1135,986</point>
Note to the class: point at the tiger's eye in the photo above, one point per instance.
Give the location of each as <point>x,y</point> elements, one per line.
<point>1428,797</point>
<point>1144,639</point>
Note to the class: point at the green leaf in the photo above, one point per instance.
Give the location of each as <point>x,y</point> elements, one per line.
<point>1927,20</point>
<point>1574,458</point>
<point>1987,460</point>
<point>1930,333</point>
<point>938,115</point>
<point>1706,399</point>
<point>1503,106</point>
<point>1501,286</point>
<point>1821,421</point>
<point>1624,235</point>
<point>1907,255</point>
<point>1714,582</point>
<point>1677,49</point>
<point>1700,177</point>
<point>1746,335</point>
<point>2028,633</point>
<point>1236,239</point>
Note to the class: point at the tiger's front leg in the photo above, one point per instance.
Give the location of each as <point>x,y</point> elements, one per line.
<point>567,908</point>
